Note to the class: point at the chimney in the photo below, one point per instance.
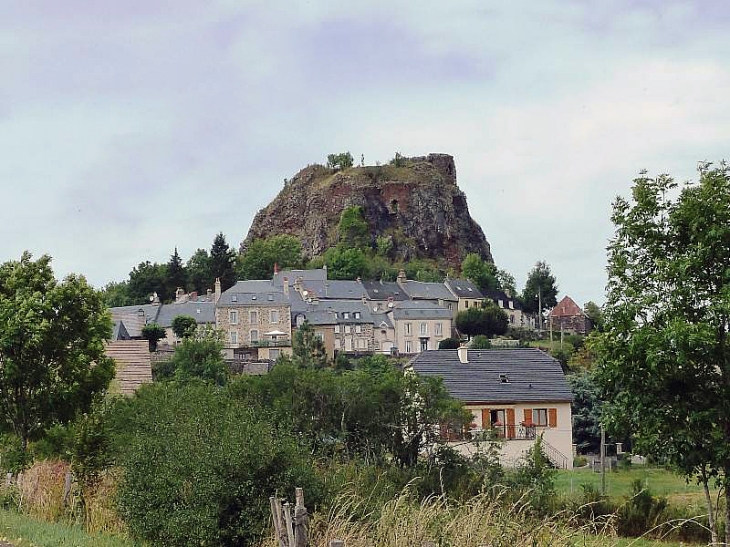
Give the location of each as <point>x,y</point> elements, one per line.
<point>276,268</point>
<point>208,292</point>
<point>299,284</point>
<point>463,354</point>
<point>179,295</point>
<point>286,285</point>
<point>324,267</point>
<point>155,299</point>
<point>402,277</point>
<point>217,288</point>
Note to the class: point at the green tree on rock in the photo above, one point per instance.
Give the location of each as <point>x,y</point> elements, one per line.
<point>52,359</point>
<point>340,161</point>
<point>353,229</point>
<point>664,354</point>
<point>262,254</point>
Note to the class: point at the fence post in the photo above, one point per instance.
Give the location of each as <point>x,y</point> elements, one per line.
<point>277,518</point>
<point>301,520</point>
<point>67,487</point>
<point>289,524</point>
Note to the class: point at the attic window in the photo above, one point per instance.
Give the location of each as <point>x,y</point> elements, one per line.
<point>234,298</point>
<point>357,315</point>
<point>253,297</point>
<point>197,311</point>
<point>503,378</point>
<point>271,298</point>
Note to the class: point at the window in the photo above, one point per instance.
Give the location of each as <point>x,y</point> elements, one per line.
<point>274,354</point>
<point>361,344</point>
<point>450,306</point>
<point>466,303</point>
<point>356,315</point>
<point>319,335</point>
<point>439,329</point>
<point>409,346</point>
<point>511,304</point>
<point>346,315</point>
<point>274,316</point>
<point>347,329</point>
<point>539,416</point>
<point>338,345</point>
<point>358,329</point>
<point>233,337</point>
<point>254,335</point>
<point>424,329</point>
<point>424,344</point>
<point>337,329</point>
<point>234,298</point>
<point>500,303</point>
<point>512,319</point>
<point>253,317</point>
<point>233,317</point>
<point>503,378</point>
<point>407,327</point>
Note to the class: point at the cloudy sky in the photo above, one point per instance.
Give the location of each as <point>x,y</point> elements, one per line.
<point>129,128</point>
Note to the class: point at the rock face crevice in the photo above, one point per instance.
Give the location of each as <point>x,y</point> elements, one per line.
<point>417,204</point>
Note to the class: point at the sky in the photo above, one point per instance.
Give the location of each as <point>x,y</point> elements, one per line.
<point>130,128</point>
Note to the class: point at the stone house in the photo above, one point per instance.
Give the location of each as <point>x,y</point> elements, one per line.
<point>419,325</point>
<point>512,307</point>
<point>384,333</point>
<point>467,293</point>
<point>517,394</point>
<point>437,293</point>
<point>569,317</point>
<point>255,318</point>
<point>200,308</point>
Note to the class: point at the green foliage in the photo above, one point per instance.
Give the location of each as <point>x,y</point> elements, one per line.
<point>353,230</point>
<point>384,246</point>
<point>262,254</point>
<point>345,263</point>
<point>536,476</point>
<point>51,346</point>
<point>480,272</point>
<point>540,286</point>
<point>642,512</point>
<point>480,342</point>
<point>398,160</point>
<point>56,443</point>
<point>343,160</point>
<point>507,282</point>
<point>153,333</point>
<point>184,326</point>
<point>200,278</point>
<point>12,456</point>
<point>175,275</point>
<point>199,468</point>
<point>449,343</point>
<point>595,314</point>
<point>198,357</point>
<point>222,262</point>
<point>307,348</point>
<point>92,446</point>
<point>146,279</point>
<point>488,320</point>
<point>586,411</point>
<point>664,353</point>
<point>117,294</point>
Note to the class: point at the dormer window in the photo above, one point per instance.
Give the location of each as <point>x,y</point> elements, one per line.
<point>357,315</point>
<point>346,315</point>
<point>503,378</point>
<point>234,298</point>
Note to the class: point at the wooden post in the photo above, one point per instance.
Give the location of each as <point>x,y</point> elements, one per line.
<point>67,487</point>
<point>289,524</point>
<point>281,535</point>
<point>301,521</point>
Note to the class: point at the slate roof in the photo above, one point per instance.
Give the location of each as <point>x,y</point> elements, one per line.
<point>463,288</point>
<point>379,318</point>
<point>533,376</point>
<point>253,293</point>
<point>427,291</point>
<point>133,364</point>
<point>566,308</point>
<point>150,311</point>
<point>331,312</point>
<point>119,331</point>
<point>410,309</point>
<point>203,312</point>
<point>293,275</point>
<point>383,290</point>
<point>336,289</point>
<point>496,296</point>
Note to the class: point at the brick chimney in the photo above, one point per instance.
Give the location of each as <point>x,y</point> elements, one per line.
<point>179,295</point>
<point>217,288</point>
<point>402,277</point>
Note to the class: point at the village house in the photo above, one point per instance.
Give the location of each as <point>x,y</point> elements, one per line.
<point>384,333</point>
<point>200,308</point>
<point>255,318</point>
<point>512,307</point>
<point>437,293</point>
<point>515,394</point>
<point>419,325</point>
<point>569,317</point>
<point>467,293</point>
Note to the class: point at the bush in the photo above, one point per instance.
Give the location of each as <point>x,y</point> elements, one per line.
<point>199,468</point>
<point>449,343</point>
<point>480,342</point>
<point>580,461</point>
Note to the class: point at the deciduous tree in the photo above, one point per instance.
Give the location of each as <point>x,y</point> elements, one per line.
<point>664,354</point>
<point>540,288</point>
<point>52,360</point>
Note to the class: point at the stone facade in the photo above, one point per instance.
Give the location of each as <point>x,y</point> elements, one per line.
<point>353,337</point>
<point>250,328</point>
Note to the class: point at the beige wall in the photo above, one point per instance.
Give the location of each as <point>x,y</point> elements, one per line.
<point>466,303</point>
<point>560,436</point>
<point>384,339</point>
<point>403,338</point>
<point>348,339</point>
<point>244,326</point>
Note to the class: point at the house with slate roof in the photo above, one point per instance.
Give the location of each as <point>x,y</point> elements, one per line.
<point>200,308</point>
<point>419,325</point>
<point>512,307</point>
<point>437,293</point>
<point>383,292</point>
<point>467,293</point>
<point>516,393</point>
<point>569,317</point>
<point>255,317</point>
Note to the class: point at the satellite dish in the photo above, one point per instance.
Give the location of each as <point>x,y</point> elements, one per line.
<point>390,304</point>
<point>375,308</point>
<point>152,298</point>
<point>305,293</point>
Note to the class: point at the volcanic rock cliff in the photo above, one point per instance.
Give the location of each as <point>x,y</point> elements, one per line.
<point>416,204</point>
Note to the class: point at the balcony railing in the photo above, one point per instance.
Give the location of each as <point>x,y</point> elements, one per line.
<point>497,431</point>
<point>284,342</point>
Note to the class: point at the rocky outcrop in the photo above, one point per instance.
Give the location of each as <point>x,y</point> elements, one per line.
<point>416,204</point>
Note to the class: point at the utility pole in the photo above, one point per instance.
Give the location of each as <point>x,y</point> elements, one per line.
<point>539,308</point>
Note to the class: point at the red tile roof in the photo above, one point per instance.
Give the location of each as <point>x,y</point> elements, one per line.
<point>566,308</point>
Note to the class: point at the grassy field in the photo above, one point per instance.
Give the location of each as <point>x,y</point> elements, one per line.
<point>24,531</point>
<point>618,483</point>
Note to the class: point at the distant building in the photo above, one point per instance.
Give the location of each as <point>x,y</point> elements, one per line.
<point>569,317</point>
